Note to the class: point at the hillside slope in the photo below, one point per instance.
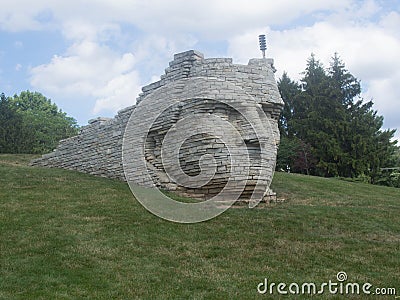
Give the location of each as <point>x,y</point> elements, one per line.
<point>66,235</point>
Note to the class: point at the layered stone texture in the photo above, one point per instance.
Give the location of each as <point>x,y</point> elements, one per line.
<point>196,87</point>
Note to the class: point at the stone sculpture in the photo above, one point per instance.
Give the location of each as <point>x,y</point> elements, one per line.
<point>187,132</point>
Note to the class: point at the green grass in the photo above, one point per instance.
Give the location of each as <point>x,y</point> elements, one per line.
<point>67,235</point>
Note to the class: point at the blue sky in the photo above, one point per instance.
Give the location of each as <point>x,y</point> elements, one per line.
<point>91,58</point>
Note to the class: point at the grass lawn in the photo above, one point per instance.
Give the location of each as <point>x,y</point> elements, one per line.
<point>67,235</point>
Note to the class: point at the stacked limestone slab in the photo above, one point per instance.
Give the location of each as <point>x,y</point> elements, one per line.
<point>199,86</point>
<point>97,149</point>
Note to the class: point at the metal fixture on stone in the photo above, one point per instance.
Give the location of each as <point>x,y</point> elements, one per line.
<point>263,44</point>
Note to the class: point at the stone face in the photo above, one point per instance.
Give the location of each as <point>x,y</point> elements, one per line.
<point>206,112</point>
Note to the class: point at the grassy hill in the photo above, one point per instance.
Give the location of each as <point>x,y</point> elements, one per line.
<point>66,235</point>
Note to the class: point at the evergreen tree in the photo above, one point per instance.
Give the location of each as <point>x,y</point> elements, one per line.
<point>289,90</point>
<point>319,118</point>
<point>346,84</point>
<point>347,90</point>
<point>366,147</point>
<point>326,127</point>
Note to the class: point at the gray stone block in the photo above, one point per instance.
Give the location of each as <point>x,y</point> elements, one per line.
<point>197,87</point>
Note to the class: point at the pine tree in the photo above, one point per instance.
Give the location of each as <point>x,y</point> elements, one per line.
<point>326,116</point>
<point>288,89</point>
<point>319,117</point>
<point>346,84</point>
<point>366,147</point>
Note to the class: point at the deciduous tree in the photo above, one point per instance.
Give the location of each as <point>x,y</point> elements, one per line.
<point>31,123</point>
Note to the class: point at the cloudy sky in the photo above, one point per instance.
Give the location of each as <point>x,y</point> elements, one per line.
<point>91,57</point>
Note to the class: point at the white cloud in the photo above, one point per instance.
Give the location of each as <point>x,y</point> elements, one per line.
<point>370,51</point>
<point>118,93</point>
<point>92,70</point>
<point>19,15</point>
<point>163,16</point>
<point>107,63</point>
<point>153,52</point>
<point>218,19</point>
<point>391,23</point>
<point>385,94</point>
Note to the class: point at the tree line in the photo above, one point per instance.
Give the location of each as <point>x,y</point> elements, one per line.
<point>31,123</point>
<point>328,130</point>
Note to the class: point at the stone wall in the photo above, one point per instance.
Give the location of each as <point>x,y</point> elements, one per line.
<point>194,86</point>
<point>97,149</point>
